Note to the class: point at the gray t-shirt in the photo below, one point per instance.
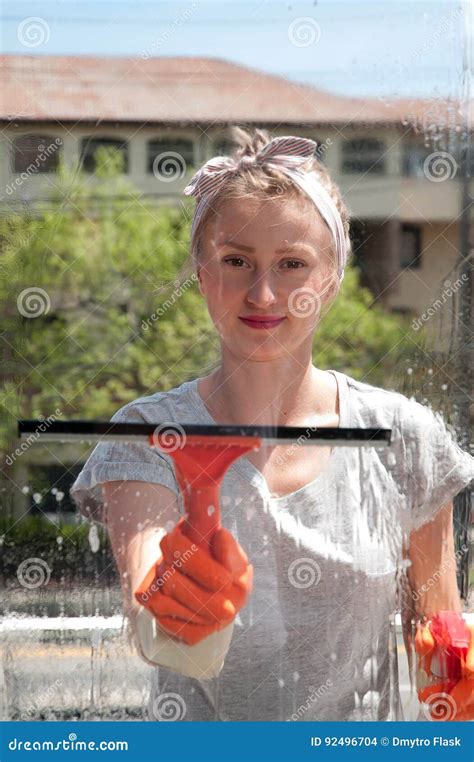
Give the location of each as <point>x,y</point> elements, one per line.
<point>316,639</point>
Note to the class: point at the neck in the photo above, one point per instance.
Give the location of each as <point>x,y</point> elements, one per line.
<point>280,391</point>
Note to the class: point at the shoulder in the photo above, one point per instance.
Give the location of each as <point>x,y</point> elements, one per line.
<point>170,404</point>
<point>376,406</point>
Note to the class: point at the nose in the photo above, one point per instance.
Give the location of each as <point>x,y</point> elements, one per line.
<point>261,293</point>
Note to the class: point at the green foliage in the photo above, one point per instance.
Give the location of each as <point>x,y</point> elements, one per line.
<point>363,340</point>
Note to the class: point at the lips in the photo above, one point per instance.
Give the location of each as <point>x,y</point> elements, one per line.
<point>262,321</point>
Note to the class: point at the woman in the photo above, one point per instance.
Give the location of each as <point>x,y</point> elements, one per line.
<point>326,533</point>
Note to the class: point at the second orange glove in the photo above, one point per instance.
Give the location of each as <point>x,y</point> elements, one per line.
<point>191,593</point>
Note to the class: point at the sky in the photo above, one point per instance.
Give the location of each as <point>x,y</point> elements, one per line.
<point>381,48</point>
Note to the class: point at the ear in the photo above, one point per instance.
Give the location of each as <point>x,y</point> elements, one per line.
<point>201,287</point>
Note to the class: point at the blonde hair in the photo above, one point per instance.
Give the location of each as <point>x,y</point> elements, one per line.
<point>261,183</point>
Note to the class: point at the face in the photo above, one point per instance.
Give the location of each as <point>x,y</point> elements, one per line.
<point>266,259</point>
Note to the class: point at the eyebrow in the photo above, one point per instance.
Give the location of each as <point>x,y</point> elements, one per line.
<point>284,250</point>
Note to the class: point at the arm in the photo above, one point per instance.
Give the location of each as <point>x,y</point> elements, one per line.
<point>136,515</point>
<point>432,574</point>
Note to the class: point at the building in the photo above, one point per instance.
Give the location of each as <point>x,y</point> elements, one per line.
<point>396,162</point>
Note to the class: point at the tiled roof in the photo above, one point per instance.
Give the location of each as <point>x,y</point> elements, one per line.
<point>185,90</point>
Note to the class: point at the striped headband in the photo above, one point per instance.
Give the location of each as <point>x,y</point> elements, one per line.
<point>285,153</point>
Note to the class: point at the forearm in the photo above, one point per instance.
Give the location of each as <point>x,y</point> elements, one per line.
<point>432,574</point>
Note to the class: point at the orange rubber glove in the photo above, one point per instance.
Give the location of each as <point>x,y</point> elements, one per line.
<point>445,649</point>
<point>192,594</point>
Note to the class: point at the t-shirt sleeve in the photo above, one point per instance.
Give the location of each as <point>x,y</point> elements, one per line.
<point>117,461</point>
<point>436,467</point>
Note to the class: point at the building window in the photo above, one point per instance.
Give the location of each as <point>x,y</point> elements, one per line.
<point>363,155</point>
<point>413,159</point>
<point>410,254</point>
<point>91,145</point>
<point>169,158</point>
<point>36,153</point>
<point>223,146</point>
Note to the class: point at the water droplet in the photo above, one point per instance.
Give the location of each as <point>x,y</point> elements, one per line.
<point>137,494</point>
<point>391,459</point>
<point>94,540</point>
<point>139,526</point>
<point>444,387</point>
<point>25,490</point>
<point>169,526</point>
<point>60,540</point>
<point>59,496</point>
<point>37,497</point>
<point>211,509</point>
<point>54,490</point>
<point>281,682</point>
<point>333,656</point>
<point>296,676</point>
<point>409,371</point>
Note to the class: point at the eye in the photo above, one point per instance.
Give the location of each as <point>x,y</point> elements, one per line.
<point>294,262</point>
<point>234,259</point>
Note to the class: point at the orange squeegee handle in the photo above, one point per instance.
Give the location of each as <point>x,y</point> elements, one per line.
<point>201,462</point>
